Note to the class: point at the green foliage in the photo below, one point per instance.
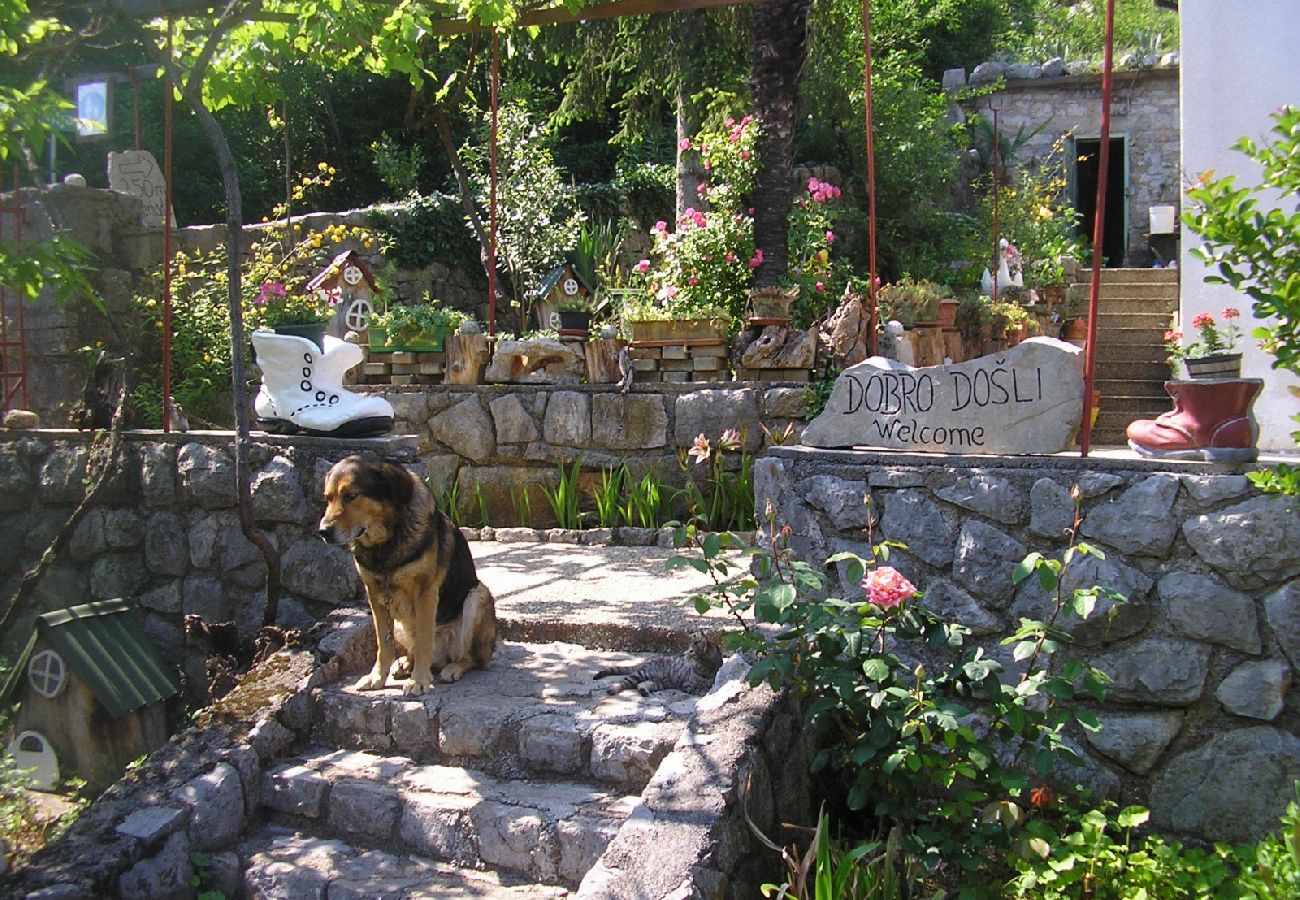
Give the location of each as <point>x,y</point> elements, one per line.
<point>1044,28</point>
<point>1271,869</point>
<point>832,870</point>
<point>646,500</point>
<point>726,499</point>
<point>405,322</point>
<point>930,746</point>
<point>1097,854</point>
<point>607,497</point>
<point>565,497</point>
<point>1252,247</point>
<point>818,393</point>
<point>537,214</point>
<point>399,167</point>
<point>909,300</point>
<point>25,831</point>
<point>428,228</point>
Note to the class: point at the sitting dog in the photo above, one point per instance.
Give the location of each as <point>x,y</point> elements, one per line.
<point>425,597</point>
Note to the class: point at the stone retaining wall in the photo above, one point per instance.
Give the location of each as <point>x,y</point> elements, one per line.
<point>502,440</point>
<point>1197,723</point>
<point>167,532</point>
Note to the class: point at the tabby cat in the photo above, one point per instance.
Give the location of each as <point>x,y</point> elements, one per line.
<point>692,671</point>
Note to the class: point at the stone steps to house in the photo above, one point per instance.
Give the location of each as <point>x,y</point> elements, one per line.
<point>526,770</point>
<point>1156,322</point>
<point>535,712</point>
<point>1150,340</point>
<point>546,832</point>
<point>1123,369</point>
<point>283,864</point>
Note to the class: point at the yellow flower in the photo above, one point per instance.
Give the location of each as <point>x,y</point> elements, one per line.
<point>151,303</point>
<point>322,167</point>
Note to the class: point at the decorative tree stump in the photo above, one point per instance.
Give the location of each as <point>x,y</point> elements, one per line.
<point>467,357</point>
<point>602,361</point>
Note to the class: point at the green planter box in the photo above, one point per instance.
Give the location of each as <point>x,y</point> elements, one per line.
<point>428,341</point>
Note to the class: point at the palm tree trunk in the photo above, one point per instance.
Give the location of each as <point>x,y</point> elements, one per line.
<point>780,50</point>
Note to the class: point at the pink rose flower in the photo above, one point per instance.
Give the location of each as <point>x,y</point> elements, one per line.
<point>692,281</point>
<point>886,587</point>
<point>643,266</point>
<point>820,286</point>
<point>661,225</point>
<point>684,144</point>
<point>757,259</point>
<point>830,237</point>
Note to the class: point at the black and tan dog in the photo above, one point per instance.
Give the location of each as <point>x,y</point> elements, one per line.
<point>425,597</point>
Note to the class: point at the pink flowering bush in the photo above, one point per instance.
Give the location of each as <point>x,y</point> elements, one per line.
<point>812,238</point>
<point>703,266</point>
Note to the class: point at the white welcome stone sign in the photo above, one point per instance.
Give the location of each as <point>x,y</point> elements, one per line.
<point>1026,400</point>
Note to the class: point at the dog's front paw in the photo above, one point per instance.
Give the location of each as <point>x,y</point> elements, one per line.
<point>370,682</point>
<point>417,686</point>
<point>454,672</point>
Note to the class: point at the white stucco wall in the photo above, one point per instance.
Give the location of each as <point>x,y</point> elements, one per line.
<point>1239,63</point>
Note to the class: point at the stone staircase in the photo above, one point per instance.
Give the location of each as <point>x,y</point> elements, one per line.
<point>1134,306</point>
<point>510,783</point>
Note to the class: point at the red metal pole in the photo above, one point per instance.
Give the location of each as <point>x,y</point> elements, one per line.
<point>167,242</point>
<point>997,224</point>
<point>873,321</point>
<point>492,187</point>
<point>1098,223</point>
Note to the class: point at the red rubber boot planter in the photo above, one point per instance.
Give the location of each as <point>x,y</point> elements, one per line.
<point>1211,420</point>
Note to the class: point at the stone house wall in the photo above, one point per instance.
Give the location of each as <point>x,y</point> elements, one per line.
<point>1144,111</point>
<point>1198,724</point>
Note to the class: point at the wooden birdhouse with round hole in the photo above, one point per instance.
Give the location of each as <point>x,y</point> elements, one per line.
<point>563,288</point>
<point>349,286</point>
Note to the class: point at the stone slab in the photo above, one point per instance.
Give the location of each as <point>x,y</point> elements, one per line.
<point>1026,400</point>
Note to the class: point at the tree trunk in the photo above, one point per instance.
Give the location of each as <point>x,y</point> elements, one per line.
<point>780,50</point>
<point>691,38</point>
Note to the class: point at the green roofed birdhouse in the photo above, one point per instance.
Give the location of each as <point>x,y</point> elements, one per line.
<point>349,286</point>
<point>562,290</point>
<point>92,691</point>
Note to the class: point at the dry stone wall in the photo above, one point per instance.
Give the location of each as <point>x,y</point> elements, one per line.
<point>1198,722</point>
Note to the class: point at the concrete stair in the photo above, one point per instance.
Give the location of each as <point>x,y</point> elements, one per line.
<point>509,783</point>
<point>1134,310</point>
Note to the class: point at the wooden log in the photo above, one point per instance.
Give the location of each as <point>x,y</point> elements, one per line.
<point>467,357</point>
<point>602,361</point>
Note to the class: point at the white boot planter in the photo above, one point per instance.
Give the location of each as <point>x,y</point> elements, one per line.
<point>302,389</point>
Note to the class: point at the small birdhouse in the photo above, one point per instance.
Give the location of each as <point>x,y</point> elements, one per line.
<point>92,692</point>
<point>349,286</point>
<point>562,288</point>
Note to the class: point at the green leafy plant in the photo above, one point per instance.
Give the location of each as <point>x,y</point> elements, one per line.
<point>521,501</point>
<point>909,300</point>
<point>1270,870</point>
<point>481,499</point>
<point>645,501</point>
<point>607,496</point>
<point>831,870</point>
<point>565,497</point>
<point>406,322</point>
<point>938,747</point>
<point>726,499</point>
<point>818,393</point>
<point>1098,854</point>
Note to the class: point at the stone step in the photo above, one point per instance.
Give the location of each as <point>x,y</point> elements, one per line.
<point>1142,276</point>
<point>282,864</point>
<point>1132,337</point>
<point>548,832</point>
<point>1156,322</point>
<point>535,711</point>
<point>1132,369</point>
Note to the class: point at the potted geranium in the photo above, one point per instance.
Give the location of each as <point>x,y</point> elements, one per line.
<point>1215,354</point>
<point>420,327</point>
<point>286,312</point>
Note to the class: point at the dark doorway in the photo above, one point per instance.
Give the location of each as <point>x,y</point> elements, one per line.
<point>1087,166</point>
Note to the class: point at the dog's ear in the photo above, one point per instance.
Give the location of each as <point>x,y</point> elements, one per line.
<point>395,484</point>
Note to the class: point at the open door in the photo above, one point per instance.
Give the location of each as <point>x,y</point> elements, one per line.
<point>1087,166</point>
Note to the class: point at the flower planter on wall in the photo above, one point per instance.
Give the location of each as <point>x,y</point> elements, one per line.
<point>676,331</point>
<point>429,340</point>
<point>1221,365</point>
